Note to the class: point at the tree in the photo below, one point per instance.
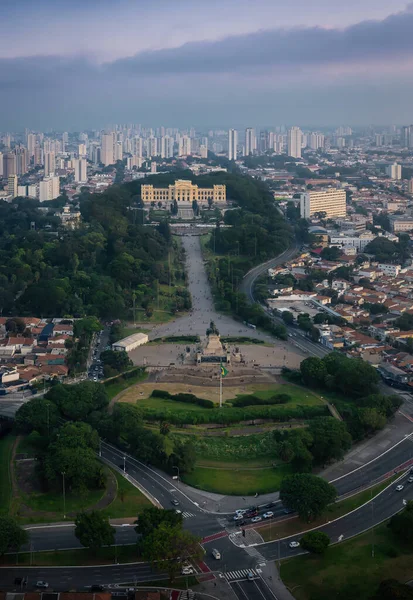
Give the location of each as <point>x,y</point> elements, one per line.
<point>330,439</point>
<point>117,360</point>
<point>168,548</point>
<point>315,542</point>
<point>391,589</point>
<point>183,456</point>
<point>313,371</point>
<point>152,517</point>
<point>39,415</point>
<point>76,402</point>
<point>12,536</point>
<point>93,530</point>
<point>307,494</point>
<point>287,317</point>
<point>401,524</point>
<point>331,253</point>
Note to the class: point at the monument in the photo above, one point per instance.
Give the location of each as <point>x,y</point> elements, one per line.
<point>214,352</point>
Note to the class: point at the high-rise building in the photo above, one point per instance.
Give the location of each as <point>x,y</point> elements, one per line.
<point>294,142</point>
<point>80,166</point>
<point>31,144</point>
<point>250,141</point>
<point>82,150</point>
<point>38,156</point>
<point>232,144</point>
<point>22,191</point>
<point>49,163</point>
<point>49,189</point>
<point>107,151</point>
<point>32,191</point>
<point>118,151</point>
<point>394,171</point>
<point>263,141</point>
<point>1,164</point>
<point>315,140</point>
<point>184,146</point>
<point>331,203</point>
<point>9,164</point>
<point>12,184</point>
<point>379,139</point>
<point>410,186</point>
<point>22,160</point>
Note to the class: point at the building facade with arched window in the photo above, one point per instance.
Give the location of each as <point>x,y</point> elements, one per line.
<point>184,192</point>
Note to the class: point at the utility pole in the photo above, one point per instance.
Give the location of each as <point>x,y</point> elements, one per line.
<point>220,388</point>
<point>64,495</point>
<point>134,314</point>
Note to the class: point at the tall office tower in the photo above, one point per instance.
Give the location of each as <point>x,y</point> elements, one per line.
<point>250,141</point>
<point>49,189</point>
<point>31,144</point>
<point>118,151</point>
<point>38,156</point>
<point>9,164</point>
<point>22,160</point>
<point>232,144</point>
<point>394,171</point>
<point>294,142</point>
<point>379,140</point>
<point>12,184</point>
<point>330,202</point>
<point>263,141</point>
<point>80,166</point>
<point>107,149</point>
<point>81,151</point>
<point>138,142</point>
<point>49,163</point>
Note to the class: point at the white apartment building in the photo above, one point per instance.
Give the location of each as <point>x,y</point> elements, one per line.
<point>358,242</point>
<point>134,161</point>
<point>12,185</point>
<point>80,167</point>
<point>401,223</point>
<point>330,202</point>
<point>22,190</point>
<point>294,142</point>
<point>250,141</point>
<point>391,270</point>
<point>49,189</point>
<point>107,150</point>
<point>32,191</point>
<point>315,141</point>
<point>184,146</point>
<point>232,144</point>
<point>394,171</point>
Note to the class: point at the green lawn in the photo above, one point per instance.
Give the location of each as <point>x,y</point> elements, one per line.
<point>348,570</point>
<point>236,448</point>
<point>6,446</point>
<point>52,502</point>
<point>172,405</point>
<point>120,384</point>
<point>82,557</point>
<point>237,482</point>
<point>128,503</point>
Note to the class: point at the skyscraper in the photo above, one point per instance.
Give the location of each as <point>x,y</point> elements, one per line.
<point>232,144</point>
<point>49,163</point>
<point>263,143</point>
<point>250,141</point>
<point>9,164</point>
<point>107,152</point>
<point>294,142</point>
<point>31,144</point>
<point>80,166</point>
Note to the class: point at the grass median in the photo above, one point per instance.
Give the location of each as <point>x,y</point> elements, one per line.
<point>6,448</point>
<point>292,526</point>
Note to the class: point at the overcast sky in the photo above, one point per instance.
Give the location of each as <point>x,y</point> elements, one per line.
<point>216,63</point>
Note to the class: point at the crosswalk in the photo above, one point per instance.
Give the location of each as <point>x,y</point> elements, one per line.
<point>239,575</point>
<point>255,554</point>
<point>186,514</point>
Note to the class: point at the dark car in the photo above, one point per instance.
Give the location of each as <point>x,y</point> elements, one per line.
<point>175,502</point>
<point>270,504</point>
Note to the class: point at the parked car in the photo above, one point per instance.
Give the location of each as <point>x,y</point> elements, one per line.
<point>175,502</point>
<point>187,570</point>
<point>399,488</point>
<point>410,480</point>
<point>238,517</point>
<point>268,515</point>
<point>42,584</point>
<point>294,544</point>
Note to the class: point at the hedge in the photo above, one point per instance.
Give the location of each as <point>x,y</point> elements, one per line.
<point>182,397</point>
<point>255,401</point>
<point>228,416</point>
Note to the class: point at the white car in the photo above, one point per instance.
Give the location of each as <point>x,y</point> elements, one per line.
<point>238,517</point>
<point>399,488</point>
<point>268,515</point>
<point>240,511</point>
<point>410,480</point>
<point>42,584</point>
<point>294,544</point>
<point>256,519</point>
<point>187,570</point>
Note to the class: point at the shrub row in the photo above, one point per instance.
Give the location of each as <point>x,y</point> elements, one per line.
<point>136,372</point>
<point>255,401</point>
<point>182,397</point>
<point>228,416</point>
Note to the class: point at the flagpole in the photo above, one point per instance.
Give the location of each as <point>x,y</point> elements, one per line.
<point>220,388</point>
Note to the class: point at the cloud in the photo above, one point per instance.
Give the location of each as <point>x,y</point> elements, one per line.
<point>368,41</point>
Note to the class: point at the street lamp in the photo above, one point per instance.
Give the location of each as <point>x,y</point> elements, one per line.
<point>124,464</point>
<point>64,495</point>
<point>177,468</point>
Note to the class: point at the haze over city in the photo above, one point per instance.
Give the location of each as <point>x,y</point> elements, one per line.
<point>206,64</point>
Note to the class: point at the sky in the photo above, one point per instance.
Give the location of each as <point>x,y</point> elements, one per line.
<point>87,64</point>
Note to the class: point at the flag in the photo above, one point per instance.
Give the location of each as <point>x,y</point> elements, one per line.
<point>223,371</point>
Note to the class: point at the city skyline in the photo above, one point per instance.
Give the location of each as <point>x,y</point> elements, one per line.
<point>189,66</point>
